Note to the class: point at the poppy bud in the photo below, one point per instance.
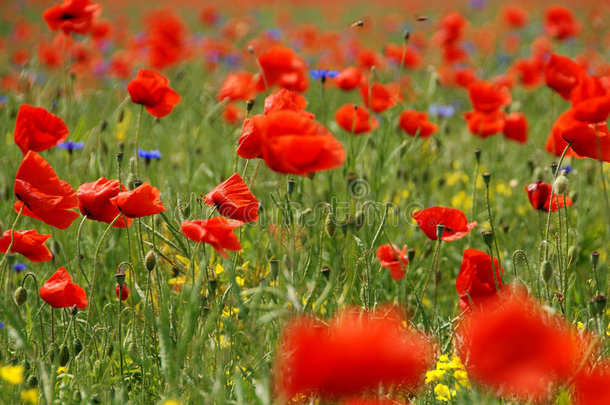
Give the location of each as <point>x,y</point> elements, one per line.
<point>77,346</point>
<point>519,287</point>
<point>20,296</point>
<point>32,381</point>
<point>597,304</point>
<point>440,230</point>
<point>547,271</point>
<point>103,125</point>
<point>274,268</point>
<point>410,254</point>
<point>119,157</point>
<point>290,186</point>
<point>553,168</point>
<point>131,181</point>
<point>486,177</point>
<point>477,155</point>
<point>406,35</point>
<point>74,310</point>
<point>561,183</point>
<point>249,105</point>
<point>64,356</point>
<point>330,224</point>
<point>488,238</point>
<point>594,259</point>
<point>325,270</point>
<point>150,261</point>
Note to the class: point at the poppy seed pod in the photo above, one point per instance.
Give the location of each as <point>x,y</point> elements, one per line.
<point>597,304</point>
<point>64,356</point>
<point>77,346</point>
<point>561,183</point>
<point>274,267</point>
<point>486,178</point>
<point>410,254</point>
<point>150,261</point>
<point>546,270</point>
<point>594,259</point>
<point>290,186</point>
<point>32,381</point>
<point>477,155</point>
<point>488,238</point>
<point>440,230</point>
<point>119,157</point>
<point>20,296</point>
<point>330,224</point>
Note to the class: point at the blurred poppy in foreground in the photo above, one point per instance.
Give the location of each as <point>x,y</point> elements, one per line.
<point>476,278</point>
<point>37,129</point>
<point>42,195</point>
<point>28,243</point>
<point>351,354</point>
<point>515,127</point>
<point>72,16</point>
<point>539,194</point>
<point>355,119</point>
<point>516,348</point>
<point>454,220</point>
<point>60,292</point>
<point>151,89</point>
<point>591,386</point>
<point>416,123</point>
<point>94,201</point>
<point>142,201</point>
<point>394,259</point>
<point>216,231</point>
<point>233,199</point>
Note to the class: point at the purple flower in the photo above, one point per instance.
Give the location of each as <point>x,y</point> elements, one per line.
<point>70,146</point>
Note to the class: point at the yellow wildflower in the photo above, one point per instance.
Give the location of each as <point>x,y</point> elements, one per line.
<point>434,375</point>
<point>30,396</point>
<point>443,393</point>
<point>12,374</point>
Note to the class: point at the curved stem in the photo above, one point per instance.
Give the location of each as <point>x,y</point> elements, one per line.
<point>548,220</point>
<point>33,276</point>
<point>79,258</point>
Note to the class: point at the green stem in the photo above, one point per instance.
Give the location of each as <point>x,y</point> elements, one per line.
<point>137,141</point>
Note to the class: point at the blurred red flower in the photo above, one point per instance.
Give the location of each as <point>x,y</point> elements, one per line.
<point>560,23</point>
<point>151,89</point>
<point>410,55</point>
<point>28,243</point>
<point>562,74</point>
<point>167,38</point>
<point>590,100</point>
<point>539,194</point>
<point>591,386</point>
<point>515,127</point>
<point>381,96</point>
<point>280,65</point>
<point>37,129</point>
<point>416,123</point>
<point>233,199</point>
<point>393,259</point>
<point>514,16</point>
<point>122,293</point>
<point>454,220</point>
<point>60,292</point>
<point>348,79</point>
<point>485,124</point>
<point>94,201</point>
<point>237,86</point>
<point>142,201</point>
<point>72,16</point>
<point>355,119</point>
<point>42,195</point>
<point>352,353</point>
<point>476,278</point>
<point>285,99</point>
<point>216,231</point>
<point>488,97</point>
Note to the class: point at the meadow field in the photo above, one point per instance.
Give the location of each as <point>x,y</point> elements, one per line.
<point>304,202</point>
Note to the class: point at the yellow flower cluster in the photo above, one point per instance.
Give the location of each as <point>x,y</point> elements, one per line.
<point>447,373</point>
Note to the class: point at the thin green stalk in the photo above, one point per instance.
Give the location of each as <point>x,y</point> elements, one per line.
<point>137,141</point>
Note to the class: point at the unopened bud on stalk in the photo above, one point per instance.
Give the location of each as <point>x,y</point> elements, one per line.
<point>553,168</point>
<point>20,296</point>
<point>325,270</point>
<point>440,230</point>
<point>274,267</point>
<point>597,304</point>
<point>488,238</point>
<point>77,346</point>
<point>73,310</point>
<point>64,356</point>
<point>290,186</point>
<point>594,259</point>
<point>410,254</point>
<point>486,178</point>
<point>32,381</point>
<point>406,35</point>
<point>561,183</point>
<point>151,260</point>
<point>330,224</point>
<point>477,155</point>
<point>119,157</point>
<point>546,270</point>
<point>249,105</point>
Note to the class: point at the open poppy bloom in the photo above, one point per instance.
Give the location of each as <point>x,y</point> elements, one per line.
<point>487,97</point>
<point>42,195</point>
<point>516,348</point>
<point>454,220</point>
<point>151,89</point>
<point>349,78</point>
<point>378,97</point>
<point>352,353</point>
<point>216,231</point>
<point>393,259</point>
<point>286,99</point>
<point>28,243</point>
<point>60,292</point>
<point>560,23</point>
<point>280,65</point>
<point>515,127</point>
<point>591,386</point>
<point>355,119</point>
<point>476,278</point>
<point>94,201</point>
<point>562,74</point>
<point>72,16</point>
<point>590,100</point>
<point>588,140</point>
<point>233,199</point>
<point>539,194</point>
<point>122,293</point>
<point>555,143</point>
<point>142,201</point>
<point>237,86</point>
<point>37,129</point>
<point>167,38</point>
<point>416,123</point>
<point>485,124</point>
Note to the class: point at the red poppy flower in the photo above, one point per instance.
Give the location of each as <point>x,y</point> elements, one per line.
<point>249,143</point>
<point>465,76</point>
<point>151,89</point>
<point>94,201</point>
<point>124,292</point>
<point>393,259</point>
<point>233,199</point>
<point>410,56</point>
<point>591,386</point>
<point>280,65</point>
<point>529,71</point>
<point>562,74</point>
<point>516,348</point>
<point>381,97</point>
<point>348,79</point>
<point>539,194</point>
<point>591,101</point>
<point>355,119</point>
<point>514,16</point>
<point>72,16</point>
<point>287,100</point>
<point>216,231</point>
<point>349,355</point>
<point>559,22</point>
<point>416,123</point>
<point>589,140</point>
<point>60,292</point>
<point>28,243</point>
<point>167,39</point>
<point>37,129</point>
<point>555,142</point>
<point>456,224</point>
<point>487,97</point>
<point>142,201</point>
<point>42,195</point>
<point>451,28</point>
<point>237,86</point>
<point>515,127</point>
<point>476,278</point>
<point>485,124</point>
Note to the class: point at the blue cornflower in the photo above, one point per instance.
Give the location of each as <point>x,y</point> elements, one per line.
<point>70,146</point>
<point>443,111</point>
<point>274,33</point>
<point>149,155</point>
<point>3,99</point>
<point>568,169</point>
<point>478,4</point>
<point>19,267</point>
<point>322,74</point>
<point>1,325</point>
